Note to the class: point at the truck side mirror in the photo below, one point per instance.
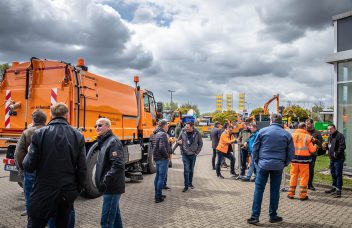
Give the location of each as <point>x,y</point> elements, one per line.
<point>159,106</point>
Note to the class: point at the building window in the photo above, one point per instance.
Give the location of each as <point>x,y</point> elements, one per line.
<point>344,106</point>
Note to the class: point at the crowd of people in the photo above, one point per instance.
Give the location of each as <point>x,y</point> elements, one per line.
<point>52,158</point>
<point>273,148</point>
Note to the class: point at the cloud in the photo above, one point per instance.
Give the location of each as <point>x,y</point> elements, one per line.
<point>288,20</point>
<point>197,48</point>
<point>69,29</point>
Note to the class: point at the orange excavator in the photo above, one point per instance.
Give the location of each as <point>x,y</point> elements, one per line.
<point>266,105</point>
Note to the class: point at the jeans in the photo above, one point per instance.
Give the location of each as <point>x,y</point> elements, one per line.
<point>336,168</point>
<point>260,182</point>
<point>251,169</point>
<point>71,220</point>
<point>220,158</point>
<point>29,179</point>
<point>311,171</point>
<point>244,156</point>
<point>213,158</point>
<point>111,215</point>
<point>189,162</point>
<point>159,181</point>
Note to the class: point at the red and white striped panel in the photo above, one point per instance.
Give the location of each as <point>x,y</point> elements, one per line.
<point>53,96</point>
<point>7,108</point>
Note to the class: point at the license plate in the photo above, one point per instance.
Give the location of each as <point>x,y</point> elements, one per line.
<point>10,168</point>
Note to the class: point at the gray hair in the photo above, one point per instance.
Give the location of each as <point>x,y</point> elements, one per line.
<point>162,123</point>
<point>106,121</point>
<point>302,125</point>
<point>276,118</point>
<point>38,117</point>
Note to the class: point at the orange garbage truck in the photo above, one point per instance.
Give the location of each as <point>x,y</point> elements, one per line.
<point>38,84</point>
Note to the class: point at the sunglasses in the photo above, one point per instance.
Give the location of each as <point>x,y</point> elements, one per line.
<point>98,125</point>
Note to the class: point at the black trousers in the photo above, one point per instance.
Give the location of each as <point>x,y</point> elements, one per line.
<point>311,171</point>
<point>220,158</point>
<point>62,216</point>
<point>244,156</point>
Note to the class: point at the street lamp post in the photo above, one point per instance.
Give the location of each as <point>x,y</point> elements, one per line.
<point>171,91</point>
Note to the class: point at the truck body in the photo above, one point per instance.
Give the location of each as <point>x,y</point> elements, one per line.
<point>173,118</point>
<point>38,84</point>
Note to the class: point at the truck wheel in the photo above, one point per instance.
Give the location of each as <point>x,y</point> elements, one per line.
<point>90,190</point>
<point>172,132</point>
<point>151,167</point>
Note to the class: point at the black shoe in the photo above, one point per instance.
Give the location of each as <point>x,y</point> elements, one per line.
<point>185,189</point>
<point>159,200</point>
<point>311,188</point>
<point>24,213</point>
<point>305,198</point>
<point>276,219</point>
<point>245,179</point>
<point>252,220</point>
<point>290,197</point>
<point>166,188</point>
<point>191,186</point>
<point>214,168</point>
<point>221,176</point>
<point>338,194</point>
<point>330,191</point>
<point>234,174</point>
<point>163,196</point>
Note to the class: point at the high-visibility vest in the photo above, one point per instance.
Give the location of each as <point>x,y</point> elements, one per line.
<point>304,147</point>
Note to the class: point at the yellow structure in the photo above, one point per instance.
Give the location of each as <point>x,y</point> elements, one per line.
<point>242,101</point>
<point>219,103</point>
<point>229,102</point>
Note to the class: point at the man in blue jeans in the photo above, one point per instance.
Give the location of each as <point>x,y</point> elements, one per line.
<point>337,148</point>
<point>38,121</point>
<point>161,149</point>
<point>191,144</point>
<point>273,149</point>
<point>110,174</point>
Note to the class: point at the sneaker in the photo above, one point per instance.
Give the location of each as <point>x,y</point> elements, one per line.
<point>290,197</point>
<point>191,186</point>
<point>305,198</point>
<point>245,179</point>
<point>167,188</point>
<point>338,194</point>
<point>330,191</point>
<point>221,176</point>
<point>275,219</point>
<point>159,200</point>
<point>252,220</point>
<point>311,188</point>
<point>24,213</point>
<point>185,189</point>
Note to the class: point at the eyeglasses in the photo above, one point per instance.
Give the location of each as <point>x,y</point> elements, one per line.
<point>98,125</point>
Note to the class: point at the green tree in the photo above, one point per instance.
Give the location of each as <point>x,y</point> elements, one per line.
<point>226,115</point>
<point>186,107</point>
<point>296,110</point>
<point>257,111</point>
<point>170,106</point>
<point>3,68</point>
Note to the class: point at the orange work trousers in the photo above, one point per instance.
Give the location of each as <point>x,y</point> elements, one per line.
<point>301,170</point>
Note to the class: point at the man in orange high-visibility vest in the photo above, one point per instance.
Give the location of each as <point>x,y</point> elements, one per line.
<point>304,148</point>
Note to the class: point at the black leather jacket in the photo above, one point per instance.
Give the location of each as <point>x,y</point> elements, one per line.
<point>337,146</point>
<point>58,155</point>
<point>110,168</point>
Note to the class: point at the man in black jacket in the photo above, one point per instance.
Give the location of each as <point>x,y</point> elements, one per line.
<point>337,148</point>
<point>317,140</point>
<point>161,150</point>
<point>110,173</point>
<point>57,154</point>
<point>215,137</point>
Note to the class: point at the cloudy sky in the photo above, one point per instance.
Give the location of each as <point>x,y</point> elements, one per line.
<point>198,48</point>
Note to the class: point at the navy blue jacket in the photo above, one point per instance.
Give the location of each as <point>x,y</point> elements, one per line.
<point>273,148</point>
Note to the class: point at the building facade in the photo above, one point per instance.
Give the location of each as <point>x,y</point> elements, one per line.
<point>218,103</point>
<point>341,60</point>
<point>229,102</point>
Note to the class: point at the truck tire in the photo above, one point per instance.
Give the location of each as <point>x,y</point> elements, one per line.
<point>172,132</point>
<point>90,190</point>
<point>151,167</point>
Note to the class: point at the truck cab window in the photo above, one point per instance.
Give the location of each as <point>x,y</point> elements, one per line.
<point>146,103</point>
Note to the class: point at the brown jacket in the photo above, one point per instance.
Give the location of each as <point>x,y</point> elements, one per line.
<point>23,144</point>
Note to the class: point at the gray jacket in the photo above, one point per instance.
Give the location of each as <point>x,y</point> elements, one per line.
<point>196,143</point>
<point>215,136</point>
